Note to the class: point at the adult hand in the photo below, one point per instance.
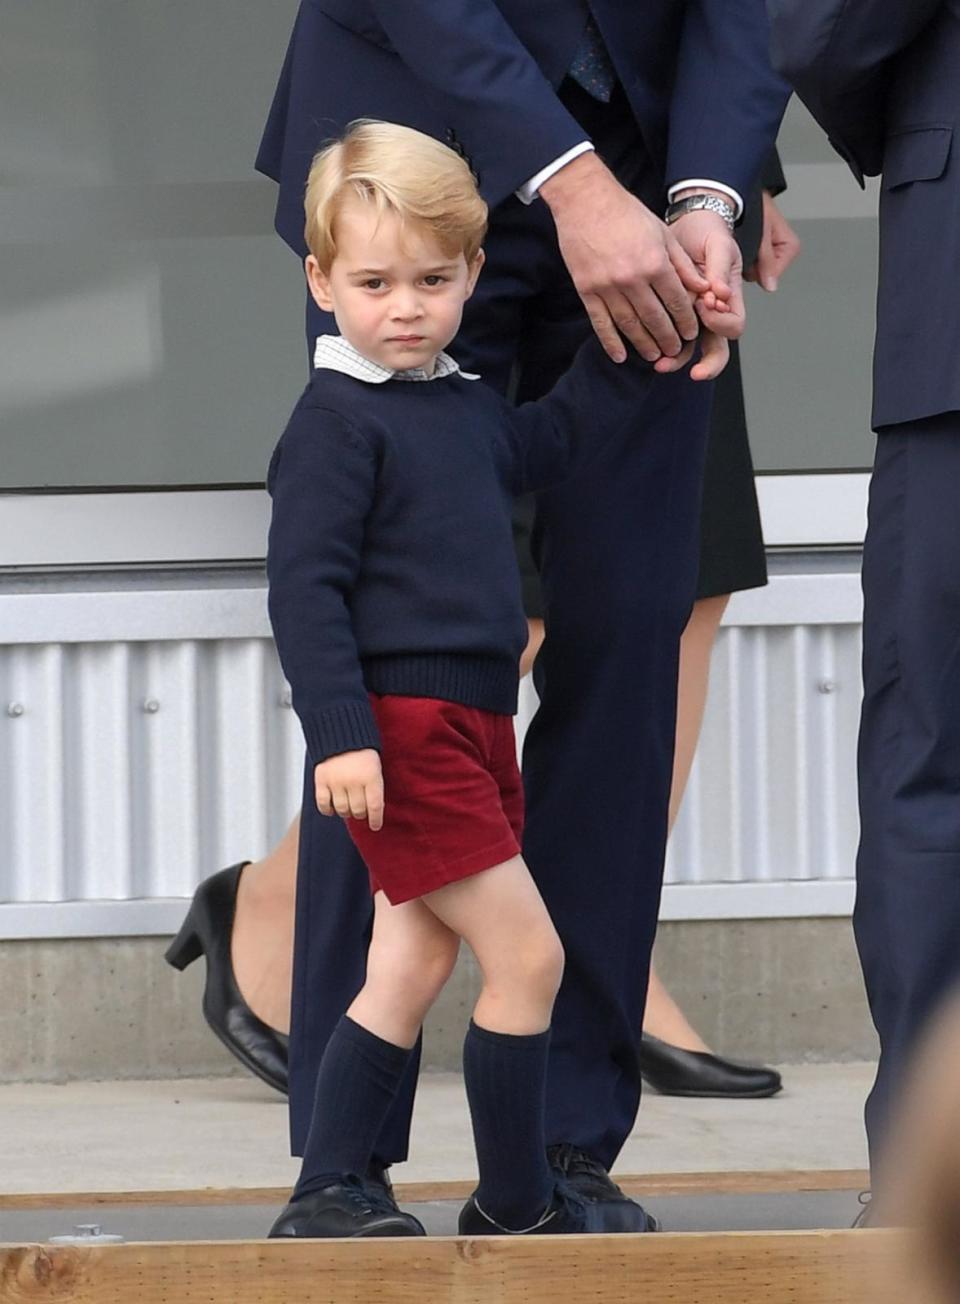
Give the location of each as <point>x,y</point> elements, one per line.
<point>630,270</point>
<point>351,785</point>
<point>709,243</point>
<point>706,239</point>
<point>779,246</point>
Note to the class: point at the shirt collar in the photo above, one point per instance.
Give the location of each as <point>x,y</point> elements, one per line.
<point>335,353</point>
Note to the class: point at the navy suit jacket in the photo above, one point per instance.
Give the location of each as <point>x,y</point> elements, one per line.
<point>482,74</point>
<point>882,77</point>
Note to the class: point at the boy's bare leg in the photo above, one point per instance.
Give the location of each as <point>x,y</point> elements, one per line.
<point>501,915</point>
<point>261,944</point>
<point>411,956</point>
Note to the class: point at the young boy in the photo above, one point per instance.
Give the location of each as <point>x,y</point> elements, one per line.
<point>396,606</point>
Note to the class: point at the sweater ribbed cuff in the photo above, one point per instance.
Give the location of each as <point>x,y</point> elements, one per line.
<point>346,727</point>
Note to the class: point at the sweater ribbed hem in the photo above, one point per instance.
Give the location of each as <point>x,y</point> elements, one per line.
<point>346,727</point>
<point>486,682</point>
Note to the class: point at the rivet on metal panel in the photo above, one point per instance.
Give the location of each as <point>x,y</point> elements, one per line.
<point>827,686</point>
<point>14,709</point>
<point>151,706</point>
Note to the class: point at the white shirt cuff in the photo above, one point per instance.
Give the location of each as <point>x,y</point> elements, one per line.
<point>699,183</point>
<point>527,193</point>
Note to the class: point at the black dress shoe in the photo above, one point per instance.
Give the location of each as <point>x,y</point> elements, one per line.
<point>207,930</point>
<point>348,1207</point>
<point>565,1215</point>
<point>377,1180</point>
<point>676,1072</point>
<point>592,1183</point>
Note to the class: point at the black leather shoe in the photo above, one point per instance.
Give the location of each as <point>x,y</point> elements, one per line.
<point>377,1180</point>
<point>565,1215</point>
<point>593,1184</point>
<point>348,1207</point>
<point>676,1072</point>
<point>206,931</point>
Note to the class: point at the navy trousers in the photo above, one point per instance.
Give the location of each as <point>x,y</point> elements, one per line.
<point>617,550</point>
<point>907,916</point>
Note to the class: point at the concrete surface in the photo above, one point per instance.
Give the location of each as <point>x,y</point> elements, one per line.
<point>774,990</point>
<point>194,1133</point>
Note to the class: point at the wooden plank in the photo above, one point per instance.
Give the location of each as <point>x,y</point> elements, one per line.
<point>836,1267</point>
<point>650,1184</point>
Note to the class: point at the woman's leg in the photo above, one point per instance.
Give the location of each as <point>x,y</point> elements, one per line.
<point>662,1017</point>
<point>261,945</point>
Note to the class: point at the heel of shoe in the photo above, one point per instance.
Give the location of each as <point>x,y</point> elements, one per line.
<point>185,947</point>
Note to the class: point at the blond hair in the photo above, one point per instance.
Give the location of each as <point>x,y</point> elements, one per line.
<point>400,171</point>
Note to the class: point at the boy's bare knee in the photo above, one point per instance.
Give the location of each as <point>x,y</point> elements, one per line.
<point>419,974</point>
<point>538,964</point>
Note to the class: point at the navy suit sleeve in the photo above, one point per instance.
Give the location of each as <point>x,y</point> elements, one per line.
<point>511,120</point>
<point>727,99</point>
<point>592,402</point>
<point>321,479</point>
<point>836,55</point>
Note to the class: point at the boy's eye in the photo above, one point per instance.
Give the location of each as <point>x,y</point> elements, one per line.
<point>434,279</point>
<point>374,283</point>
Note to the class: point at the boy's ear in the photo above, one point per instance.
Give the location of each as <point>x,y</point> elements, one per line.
<point>319,284</point>
<point>473,271</point>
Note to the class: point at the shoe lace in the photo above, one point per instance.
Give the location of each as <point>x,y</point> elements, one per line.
<point>571,1161</point>
<point>569,1200</point>
<point>366,1199</point>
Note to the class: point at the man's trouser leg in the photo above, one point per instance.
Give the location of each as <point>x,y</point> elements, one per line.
<point>907,915</point>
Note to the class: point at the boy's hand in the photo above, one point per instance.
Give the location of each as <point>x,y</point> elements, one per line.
<point>351,785</point>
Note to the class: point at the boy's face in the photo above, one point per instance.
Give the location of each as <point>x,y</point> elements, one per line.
<point>397,297</point>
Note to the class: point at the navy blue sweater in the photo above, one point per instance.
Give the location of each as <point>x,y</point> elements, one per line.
<point>390,558</point>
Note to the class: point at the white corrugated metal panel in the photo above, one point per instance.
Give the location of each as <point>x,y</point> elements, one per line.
<point>133,764</point>
<point>129,770</point>
<point>772,795</point>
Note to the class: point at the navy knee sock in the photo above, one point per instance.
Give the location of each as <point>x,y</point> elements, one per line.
<point>505,1078</point>
<point>358,1079</point>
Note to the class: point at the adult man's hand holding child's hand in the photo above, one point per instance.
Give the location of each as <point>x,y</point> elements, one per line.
<point>351,785</point>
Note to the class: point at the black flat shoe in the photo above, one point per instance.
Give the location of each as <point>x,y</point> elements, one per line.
<point>207,930</point>
<point>612,1210</point>
<point>565,1215</point>
<point>676,1072</point>
<point>345,1208</point>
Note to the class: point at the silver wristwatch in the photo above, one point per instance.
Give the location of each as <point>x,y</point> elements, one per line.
<point>693,203</point>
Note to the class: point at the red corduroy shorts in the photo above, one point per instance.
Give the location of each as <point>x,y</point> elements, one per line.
<point>453,796</point>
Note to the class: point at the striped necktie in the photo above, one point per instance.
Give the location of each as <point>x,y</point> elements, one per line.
<point>591,67</point>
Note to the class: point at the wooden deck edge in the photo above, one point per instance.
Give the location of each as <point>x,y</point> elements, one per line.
<point>829,1267</point>
<point>651,1184</point>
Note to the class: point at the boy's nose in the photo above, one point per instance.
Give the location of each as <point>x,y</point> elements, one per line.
<point>405,305</point>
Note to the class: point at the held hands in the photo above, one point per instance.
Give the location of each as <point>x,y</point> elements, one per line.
<point>351,785</point>
<point>778,247</point>
<point>708,242</point>
<point>633,274</point>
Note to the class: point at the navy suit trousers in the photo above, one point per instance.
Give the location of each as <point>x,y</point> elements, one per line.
<point>617,549</point>
<point>907,916</point>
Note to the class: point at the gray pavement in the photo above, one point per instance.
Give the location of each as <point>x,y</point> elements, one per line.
<point>220,1133</point>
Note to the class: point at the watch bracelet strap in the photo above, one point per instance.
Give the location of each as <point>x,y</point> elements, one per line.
<point>701,202</point>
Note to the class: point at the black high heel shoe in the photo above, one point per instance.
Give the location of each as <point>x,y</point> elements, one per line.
<point>207,930</point>
<point>675,1072</point>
